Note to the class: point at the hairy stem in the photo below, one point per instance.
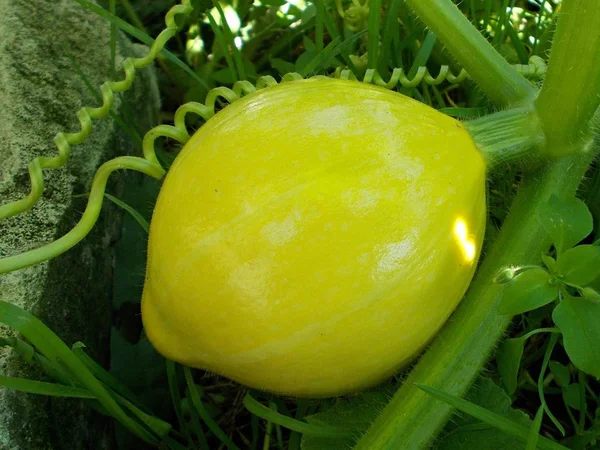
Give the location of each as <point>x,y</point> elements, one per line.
<point>492,73</point>
<point>571,92</point>
<point>506,136</point>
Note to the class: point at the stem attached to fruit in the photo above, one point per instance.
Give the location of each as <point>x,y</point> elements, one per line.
<point>507,136</point>
<point>412,419</point>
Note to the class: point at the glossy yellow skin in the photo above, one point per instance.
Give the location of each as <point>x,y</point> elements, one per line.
<point>311,238</point>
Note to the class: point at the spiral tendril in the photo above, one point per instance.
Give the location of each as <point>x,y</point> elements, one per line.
<point>535,69</point>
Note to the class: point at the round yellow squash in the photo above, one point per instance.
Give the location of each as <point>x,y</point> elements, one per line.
<point>311,238</point>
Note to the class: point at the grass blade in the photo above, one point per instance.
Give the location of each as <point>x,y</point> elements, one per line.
<point>390,28</point>
<point>497,421</point>
<point>132,15</point>
<point>319,21</point>
<point>534,433</point>
<point>112,7</point>
<point>329,52</point>
<point>158,426</point>
<point>136,215</point>
<point>176,399</point>
<point>516,41</point>
<point>123,395</point>
<point>540,385</point>
<point>374,26</point>
<point>421,59</point>
<point>105,377</point>
<point>223,44</point>
<point>237,56</point>
<point>260,410</point>
<point>333,32</point>
<point>203,412</point>
<point>43,388</point>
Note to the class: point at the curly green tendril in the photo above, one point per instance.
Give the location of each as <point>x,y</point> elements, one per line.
<point>535,70</point>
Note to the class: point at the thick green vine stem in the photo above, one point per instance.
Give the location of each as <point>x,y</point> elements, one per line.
<point>567,104</point>
<point>492,73</point>
<point>512,135</point>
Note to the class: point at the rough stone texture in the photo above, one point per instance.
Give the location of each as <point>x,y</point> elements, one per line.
<point>43,45</point>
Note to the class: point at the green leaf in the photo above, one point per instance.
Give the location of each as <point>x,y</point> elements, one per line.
<point>304,59</point>
<point>42,388</point>
<point>529,290</point>
<point>105,377</point>
<point>309,44</point>
<point>579,265</point>
<point>567,221</point>
<point>468,433</point>
<point>509,360</point>
<point>579,322</point>
<point>354,414</point>
<point>549,262</point>
<point>136,215</point>
<point>309,12</point>
<point>224,76</point>
<point>128,358</point>
<point>203,412</point>
<point>508,426</point>
<point>590,294</point>
<point>561,373</point>
<point>299,426</point>
<point>282,66</point>
<point>572,396</point>
<point>596,284</point>
<point>23,349</point>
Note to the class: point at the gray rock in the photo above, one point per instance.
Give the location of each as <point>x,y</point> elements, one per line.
<point>49,51</point>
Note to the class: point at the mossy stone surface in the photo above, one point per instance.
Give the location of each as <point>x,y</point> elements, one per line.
<point>51,54</point>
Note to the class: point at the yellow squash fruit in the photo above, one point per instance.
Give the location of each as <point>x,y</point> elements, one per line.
<point>311,238</point>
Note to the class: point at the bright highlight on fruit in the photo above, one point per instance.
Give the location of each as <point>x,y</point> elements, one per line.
<point>465,241</point>
<point>311,238</point>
